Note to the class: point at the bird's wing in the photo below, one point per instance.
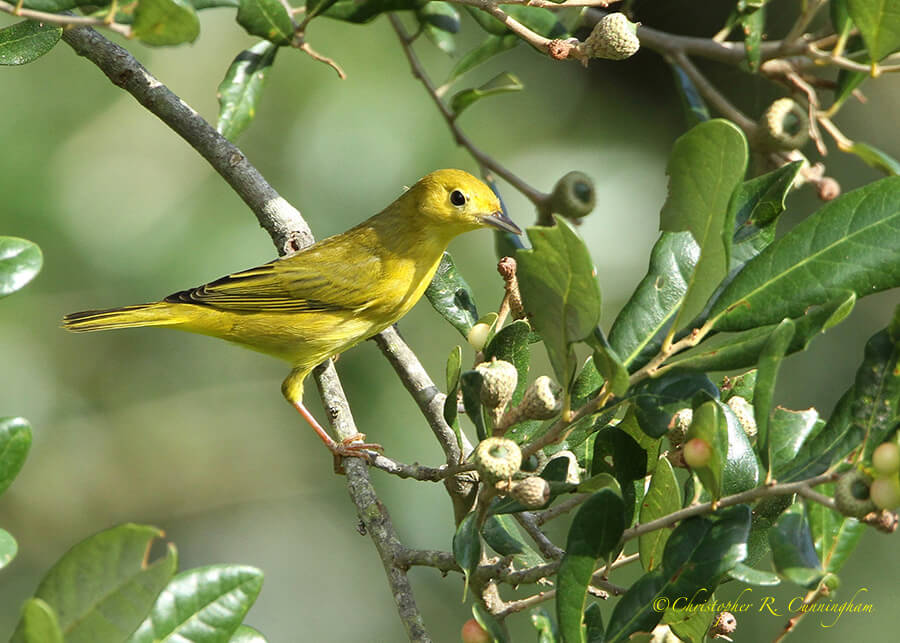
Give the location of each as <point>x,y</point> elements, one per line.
<point>279,286</point>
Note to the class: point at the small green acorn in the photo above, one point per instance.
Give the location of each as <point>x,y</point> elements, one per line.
<point>851,494</point>
<point>784,126</point>
<point>498,383</point>
<point>497,459</point>
<point>614,37</point>
<point>573,195</point>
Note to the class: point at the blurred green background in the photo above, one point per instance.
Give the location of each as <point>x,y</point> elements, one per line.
<point>191,434</point>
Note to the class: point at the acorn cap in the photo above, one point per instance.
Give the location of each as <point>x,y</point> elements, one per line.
<point>497,459</point>
<point>851,494</point>
<point>541,401</point>
<point>533,492</point>
<point>614,37</point>
<point>498,382</point>
<point>784,126</point>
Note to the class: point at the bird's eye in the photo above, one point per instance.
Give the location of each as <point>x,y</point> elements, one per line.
<point>457,198</point>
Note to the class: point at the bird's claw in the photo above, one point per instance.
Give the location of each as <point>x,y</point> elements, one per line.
<point>353,447</point>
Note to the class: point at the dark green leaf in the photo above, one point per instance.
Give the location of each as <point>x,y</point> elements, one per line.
<point>788,431</point>
<point>451,403</point>
<point>876,158</point>
<point>618,454</point>
<point>732,351</point>
<point>849,245</point>
<point>753,24</point>
<point>316,7</point>
<point>876,407</point>
<point>246,634</point>
<point>20,262</point>
<point>452,297</point>
<point>8,548</point>
<point>26,41</point>
<point>764,393</point>
<point>690,625</point>
<point>587,383</point>
<point>559,292</point>
<point>241,89</point>
<point>501,532</point>
<point>635,334</point>
<point>206,603</point>
<point>710,424</point>
<point>500,84</point>
<point>593,621</point>
<point>692,103</point>
<point>657,400</point>
<point>543,21</point>
<point>103,587</point>
<point>443,40</point>
<point>752,576</point>
<point>833,441</point>
<point>511,345</point>
<point>41,623</point>
<point>267,19</point>
<point>165,22</point>
<point>15,441</point>
<point>879,23</point>
<point>635,610</point>
<point>741,471</point>
<point>470,383</point>
<point>359,12</point>
<point>847,81</point>
<point>441,15</point>
<point>792,549</point>
<point>741,385</point>
<point>661,499</point>
<point>490,47</point>
<point>608,363</point>
<point>491,625</point>
<point>210,4</point>
<point>467,546</point>
<point>840,16</point>
<point>594,533</point>
<point>834,535</point>
<point>704,168</point>
<point>546,628</point>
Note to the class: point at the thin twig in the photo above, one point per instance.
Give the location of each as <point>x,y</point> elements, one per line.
<point>535,196</point>
<point>65,20</point>
<point>548,549</point>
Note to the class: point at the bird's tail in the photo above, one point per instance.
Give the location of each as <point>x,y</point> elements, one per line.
<point>158,314</point>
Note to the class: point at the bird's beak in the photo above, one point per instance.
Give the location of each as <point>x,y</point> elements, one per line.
<point>501,221</point>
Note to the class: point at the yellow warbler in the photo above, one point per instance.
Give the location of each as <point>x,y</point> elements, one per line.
<point>312,305</point>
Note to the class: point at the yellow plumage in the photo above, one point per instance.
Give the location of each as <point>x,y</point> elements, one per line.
<point>309,306</point>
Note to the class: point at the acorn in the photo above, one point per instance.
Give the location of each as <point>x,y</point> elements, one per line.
<point>724,624</point>
<point>573,195</point>
<point>497,459</point>
<point>498,383</point>
<point>678,427</point>
<point>743,411</point>
<point>697,453</point>
<point>885,492</point>
<point>784,126</point>
<point>614,37</point>
<point>533,492</point>
<point>851,494</point>
<point>886,459</point>
<point>477,336</point>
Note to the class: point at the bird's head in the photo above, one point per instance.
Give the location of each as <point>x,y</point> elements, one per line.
<point>457,202</point>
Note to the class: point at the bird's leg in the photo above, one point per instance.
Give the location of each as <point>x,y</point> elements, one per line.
<point>351,447</point>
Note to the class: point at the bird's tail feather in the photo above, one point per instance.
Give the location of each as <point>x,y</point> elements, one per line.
<point>158,314</point>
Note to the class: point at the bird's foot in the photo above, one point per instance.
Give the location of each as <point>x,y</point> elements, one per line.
<point>353,447</point>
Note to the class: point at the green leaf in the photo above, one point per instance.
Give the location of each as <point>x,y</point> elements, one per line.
<point>246,634</point>
<point>441,15</point>
<point>695,110</point>
<point>20,262</point>
<point>636,333</point>
<point>267,19</point>
<point>705,167</point>
<point>499,84</point>
<point>793,551</point>
<point>490,47</point>
<point>594,533</point>
<point>443,40</point>
<point>502,533</point>
<point>451,403</point>
<point>840,16</point>
<point>753,23</point>
<point>593,621</point>
<point>763,394</point>
<point>543,21</point>
<point>451,296</point>
<point>661,499</point>
<point>710,424</point>
<point>559,292</point>
<point>847,81</point>
<point>470,383</point>
<point>741,385</point>
<point>8,548</point>
<point>733,351</point>
<point>165,22</point>
<point>848,245</point>
<point>26,41</point>
<point>752,576</point>
<point>15,441</point>
<point>834,535</point>
<point>317,7</point>
<point>202,604</point>
<point>360,12</point>
<point>657,400</point>
<point>876,158</point>
<point>833,441</point>
<point>635,612</point>
<point>467,547</point>
<point>741,470</point>
<point>241,89</point>
<point>41,623</point>
<point>879,23</point>
<point>876,404</point>
<point>788,431</point>
<point>208,4</point>
<point>546,628</point>
<point>587,383</point>
<point>490,625</point>
<point>690,625</point>
<point>607,362</point>
<point>103,587</point>
<point>511,345</point>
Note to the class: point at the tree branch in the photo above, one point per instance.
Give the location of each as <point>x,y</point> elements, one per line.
<point>290,232</point>
<point>64,19</point>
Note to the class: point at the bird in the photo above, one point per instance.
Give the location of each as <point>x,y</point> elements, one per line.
<point>307,307</point>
